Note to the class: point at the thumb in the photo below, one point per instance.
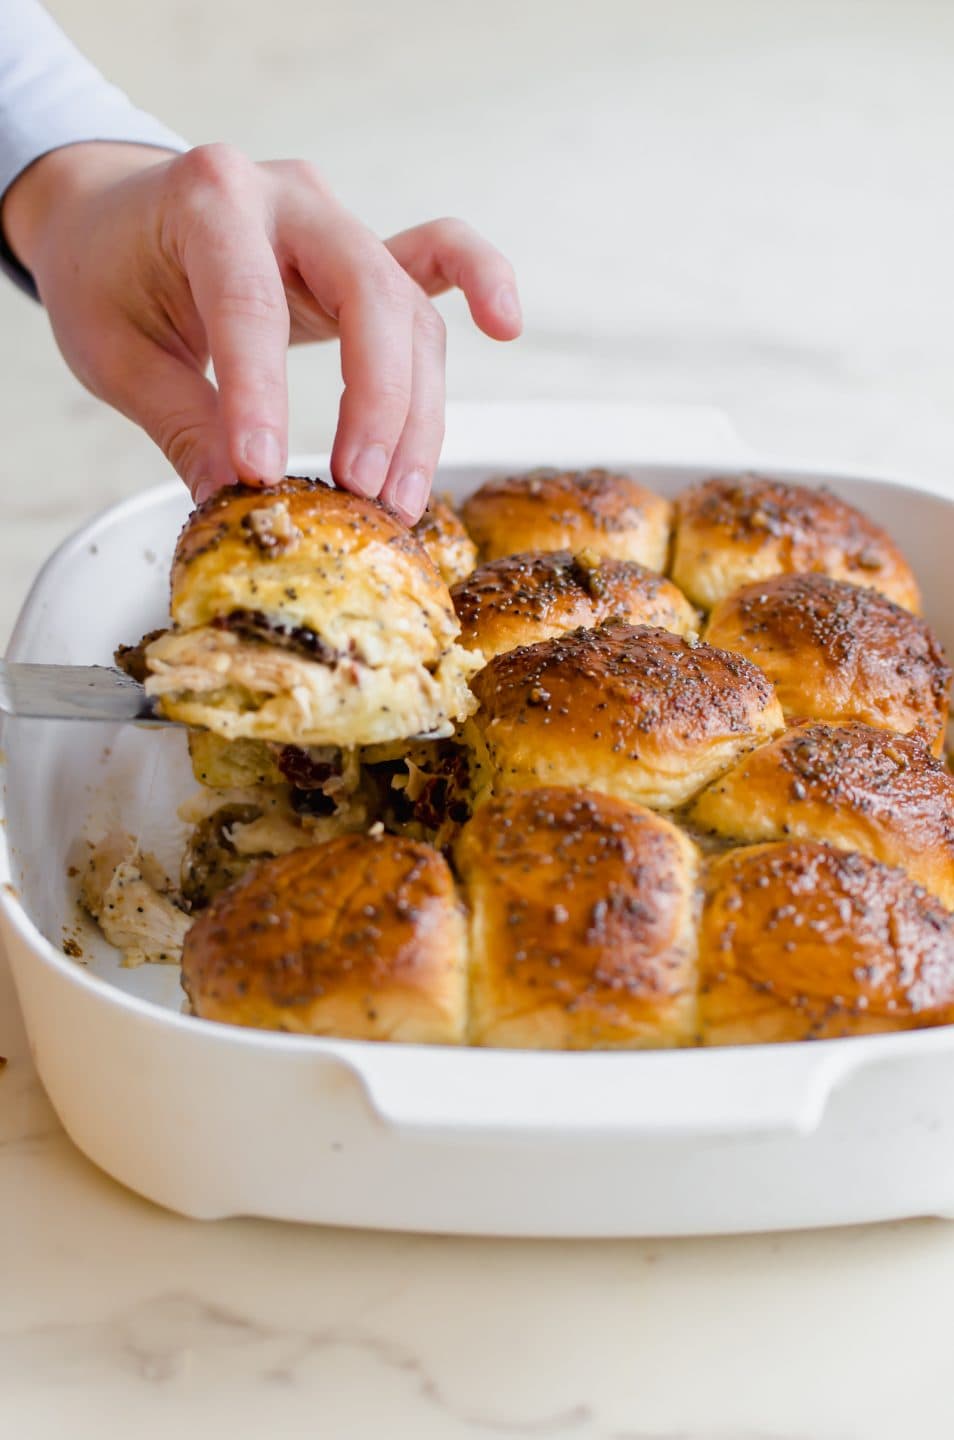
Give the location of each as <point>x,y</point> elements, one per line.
<point>178,407</point>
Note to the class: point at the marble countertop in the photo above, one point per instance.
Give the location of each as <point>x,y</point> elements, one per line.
<point>723,202</point>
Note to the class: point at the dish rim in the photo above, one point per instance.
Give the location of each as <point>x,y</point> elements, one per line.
<point>851,1051</point>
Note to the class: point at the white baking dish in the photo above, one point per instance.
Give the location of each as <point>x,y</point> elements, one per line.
<point>213,1121</point>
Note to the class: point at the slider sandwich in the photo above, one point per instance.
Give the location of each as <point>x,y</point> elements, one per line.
<point>311,633</point>
<point>307,616</point>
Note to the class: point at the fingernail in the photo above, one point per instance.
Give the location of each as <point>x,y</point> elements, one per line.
<point>204,491</point>
<point>370,469</point>
<point>410,495</point>
<point>262,454</point>
<point>508,303</point>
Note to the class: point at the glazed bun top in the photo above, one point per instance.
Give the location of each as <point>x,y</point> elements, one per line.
<point>521,599</point>
<point>335,564</point>
<point>730,531</point>
<point>837,652</point>
<point>628,710</point>
<point>572,510</point>
<point>852,785</point>
<point>583,926</point>
<point>801,941</point>
<point>441,532</point>
<point>362,936</point>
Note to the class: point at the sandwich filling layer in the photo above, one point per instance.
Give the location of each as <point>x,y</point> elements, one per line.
<point>246,676</point>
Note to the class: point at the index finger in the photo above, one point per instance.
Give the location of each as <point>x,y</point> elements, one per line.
<point>239,295</point>
<point>448,254</point>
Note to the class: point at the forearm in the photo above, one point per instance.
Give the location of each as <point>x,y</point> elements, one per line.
<point>51,97</point>
<point>42,194</point>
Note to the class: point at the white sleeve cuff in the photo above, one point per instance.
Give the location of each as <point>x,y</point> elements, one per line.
<point>51,96</point>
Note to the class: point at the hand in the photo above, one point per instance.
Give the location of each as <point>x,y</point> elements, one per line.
<point>149,266</point>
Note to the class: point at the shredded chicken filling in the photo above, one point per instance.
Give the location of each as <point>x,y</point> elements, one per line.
<point>130,897</point>
<point>219,669</point>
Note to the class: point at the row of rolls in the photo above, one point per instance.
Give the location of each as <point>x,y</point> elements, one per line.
<point>696,792</point>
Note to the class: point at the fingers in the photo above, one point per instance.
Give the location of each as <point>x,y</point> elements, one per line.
<point>179,409</point>
<point>353,277</point>
<point>377,334</point>
<point>240,242</point>
<point>238,292</point>
<point>446,254</point>
<point>418,450</point>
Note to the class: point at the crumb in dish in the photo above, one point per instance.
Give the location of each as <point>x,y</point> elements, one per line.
<point>131,899</point>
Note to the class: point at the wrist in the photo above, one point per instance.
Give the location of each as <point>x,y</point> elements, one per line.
<point>59,178</point>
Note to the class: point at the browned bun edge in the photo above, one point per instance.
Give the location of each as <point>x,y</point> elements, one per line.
<point>799,940</point>
<point>362,936</point>
<point>730,530</point>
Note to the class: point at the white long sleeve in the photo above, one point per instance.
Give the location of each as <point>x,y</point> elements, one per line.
<point>50,96</point>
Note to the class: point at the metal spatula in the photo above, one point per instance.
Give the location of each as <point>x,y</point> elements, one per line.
<point>74,692</point>
<point>90,692</point>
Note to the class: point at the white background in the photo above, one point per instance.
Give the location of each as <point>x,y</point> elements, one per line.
<point>746,203</point>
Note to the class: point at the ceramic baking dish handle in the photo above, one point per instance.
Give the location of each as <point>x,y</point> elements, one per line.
<point>765,1090</point>
<point>563,433</point>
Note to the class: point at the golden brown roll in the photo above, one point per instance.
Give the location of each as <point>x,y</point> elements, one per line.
<point>441,532</point>
<point>233,764</point>
<point>800,941</point>
<point>850,785</point>
<point>582,924</point>
<point>520,599</point>
<point>838,652</point>
<point>363,937</point>
<point>627,710</point>
<point>570,510</point>
<point>311,616</point>
<point>732,530</point>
